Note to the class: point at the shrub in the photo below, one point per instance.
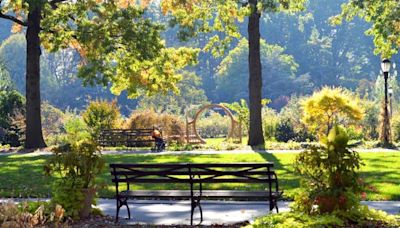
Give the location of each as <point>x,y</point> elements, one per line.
<point>171,125</point>
<point>360,216</point>
<point>101,114</point>
<point>396,127</point>
<point>270,123</point>
<point>52,121</point>
<point>11,112</point>
<point>328,175</point>
<point>75,130</point>
<point>38,214</point>
<point>213,126</point>
<point>370,120</point>
<point>284,131</point>
<point>292,113</point>
<point>77,164</point>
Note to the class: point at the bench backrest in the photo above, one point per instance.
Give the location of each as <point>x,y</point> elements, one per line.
<point>125,137</point>
<point>194,173</point>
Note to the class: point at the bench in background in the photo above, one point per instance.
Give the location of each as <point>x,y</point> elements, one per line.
<point>126,137</point>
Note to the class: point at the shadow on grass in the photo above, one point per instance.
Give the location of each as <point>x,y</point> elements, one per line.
<point>23,176</point>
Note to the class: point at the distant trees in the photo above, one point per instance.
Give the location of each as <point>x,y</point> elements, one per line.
<point>190,93</point>
<point>278,71</point>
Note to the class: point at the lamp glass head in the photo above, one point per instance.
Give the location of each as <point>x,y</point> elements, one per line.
<point>385,65</point>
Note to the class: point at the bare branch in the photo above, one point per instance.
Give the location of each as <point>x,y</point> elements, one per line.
<point>14,19</point>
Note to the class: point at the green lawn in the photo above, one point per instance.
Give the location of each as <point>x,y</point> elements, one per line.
<point>22,175</point>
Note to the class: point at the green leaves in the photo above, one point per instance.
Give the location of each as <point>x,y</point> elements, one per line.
<point>219,18</point>
<point>384,18</point>
<point>118,46</point>
<point>117,43</point>
<point>329,174</point>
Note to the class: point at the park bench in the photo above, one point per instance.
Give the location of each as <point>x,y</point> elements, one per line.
<point>196,179</point>
<point>126,137</point>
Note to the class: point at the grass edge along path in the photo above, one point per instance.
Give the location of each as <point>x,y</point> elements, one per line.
<point>22,175</point>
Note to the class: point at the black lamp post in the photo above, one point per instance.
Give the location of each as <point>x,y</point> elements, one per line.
<point>385,134</point>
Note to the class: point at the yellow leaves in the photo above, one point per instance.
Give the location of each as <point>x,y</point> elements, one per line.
<point>16,28</point>
<point>124,3</point>
<point>330,106</point>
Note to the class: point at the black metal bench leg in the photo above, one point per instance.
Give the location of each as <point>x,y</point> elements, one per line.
<point>191,215</point>
<point>201,214</point>
<point>129,212</point>
<point>271,205</point>
<point>118,207</point>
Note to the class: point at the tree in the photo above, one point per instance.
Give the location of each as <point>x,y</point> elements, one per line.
<point>278,72</point>
<point>118,46</point>
<point>13,56</point>
<point>222,17</point>
<point>190,93</point>
<point>329,107</point>
<point>101,114</point>
<point>384,19</point>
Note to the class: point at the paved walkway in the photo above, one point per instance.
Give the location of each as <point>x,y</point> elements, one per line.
<point>241,151</point>
<point>159,212</point>
<point>214,212</point>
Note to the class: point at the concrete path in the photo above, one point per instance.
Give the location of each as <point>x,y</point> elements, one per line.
<point>214,212</point>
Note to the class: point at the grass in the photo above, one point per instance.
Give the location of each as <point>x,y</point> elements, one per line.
<point>22,175</point>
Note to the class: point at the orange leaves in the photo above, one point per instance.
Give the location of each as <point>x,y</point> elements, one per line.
<point>145,3</point>
<point>16,28</point>
<point>127,3</point>
<point>78,47</point>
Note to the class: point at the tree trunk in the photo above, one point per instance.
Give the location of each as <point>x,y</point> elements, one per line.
<point>34,136</point>
<point>255,79</point>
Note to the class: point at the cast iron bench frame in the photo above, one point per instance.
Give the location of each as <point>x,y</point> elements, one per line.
<point>195,175</point>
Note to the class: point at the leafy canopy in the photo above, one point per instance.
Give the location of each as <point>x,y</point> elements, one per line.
<point>220,17</point>
<point>384,18</point>
<point>117,43</point>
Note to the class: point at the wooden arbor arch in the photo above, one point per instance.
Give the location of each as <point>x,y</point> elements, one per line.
<point>192,135</point>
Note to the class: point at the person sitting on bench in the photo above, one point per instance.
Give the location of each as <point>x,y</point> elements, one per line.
<point>159,142</point>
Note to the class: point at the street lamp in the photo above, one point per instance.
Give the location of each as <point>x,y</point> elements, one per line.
<point>385,134</point>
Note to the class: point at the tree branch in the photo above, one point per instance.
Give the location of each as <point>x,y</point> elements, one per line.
<point>14,19</point>
<point>54,3</point>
